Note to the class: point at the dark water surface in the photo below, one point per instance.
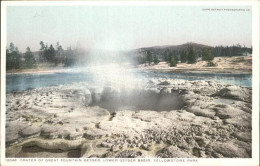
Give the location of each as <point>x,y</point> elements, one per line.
<point>20,82</point>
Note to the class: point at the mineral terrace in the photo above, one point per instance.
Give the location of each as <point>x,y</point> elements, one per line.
<point>164,118</point>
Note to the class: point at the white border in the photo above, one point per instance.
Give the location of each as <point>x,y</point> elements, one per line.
<point>130,3</point>
<point>3,71</point>
<point>254,161</point>
<point>255,82</point>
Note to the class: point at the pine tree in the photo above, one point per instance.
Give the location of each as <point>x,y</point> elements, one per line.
<point>42,57</point>
<point>49,53</point>
<point>191,58</point>
<point>165,55</point>
<point>59,54</point>
<point>69,61</point>
<point>13,58</point>
<point>207,54</point>
<point>42,46</point>
<point>172,60</point>
<point>149,57</point>
<point>156,60</point>
<point>29,59</point>
<point>183,57</point>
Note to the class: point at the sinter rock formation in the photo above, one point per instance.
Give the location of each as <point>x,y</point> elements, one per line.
<point>167,118</point>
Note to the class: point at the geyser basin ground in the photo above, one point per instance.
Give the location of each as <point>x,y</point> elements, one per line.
<point>165,118</point>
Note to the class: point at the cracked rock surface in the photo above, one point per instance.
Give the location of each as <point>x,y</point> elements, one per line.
<point>165,119</point>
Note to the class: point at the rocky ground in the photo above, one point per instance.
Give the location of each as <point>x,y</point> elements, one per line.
<point>166,118</point>
<point>236,64</point>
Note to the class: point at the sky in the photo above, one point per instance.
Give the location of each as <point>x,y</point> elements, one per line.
<point>126,27</point>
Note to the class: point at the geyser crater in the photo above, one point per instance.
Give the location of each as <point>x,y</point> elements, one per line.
<point>138,99</point>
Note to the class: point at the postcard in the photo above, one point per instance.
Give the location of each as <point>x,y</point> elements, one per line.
<point>127,82</point>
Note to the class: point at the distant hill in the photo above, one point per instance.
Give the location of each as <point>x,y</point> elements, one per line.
<point>140,53</point>
<point>160,49</point>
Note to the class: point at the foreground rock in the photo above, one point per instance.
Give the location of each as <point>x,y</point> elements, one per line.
<point>167,118</point>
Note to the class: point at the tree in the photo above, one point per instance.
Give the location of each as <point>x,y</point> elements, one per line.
<point>69,58</point>
<point>239,50</point>
<point>172,60</point>
<point>183,57</point>
<point>166,55</point>
<point>58,48</point>
<point>42,46</point>
<point>49,53</point>
<point>156,60</point>
<point>149,57</point>
<point>207,54</point>
<point>12,47</point>
<point>176,56</point>
<point>43,51</point>
<point>235,50</point>
<point>29,59</point>
<point>59,54</point>
<point>13,58</point>
<point>191,58</point>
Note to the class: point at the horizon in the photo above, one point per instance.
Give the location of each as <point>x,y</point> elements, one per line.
<point>135,48</point>
<point>101,27</point>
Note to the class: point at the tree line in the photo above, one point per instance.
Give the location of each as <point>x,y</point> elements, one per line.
<point>235,50</point>
<point>14,59</point>
<point>47,54</point>
<point>190,55</point>
<point>56,55</point>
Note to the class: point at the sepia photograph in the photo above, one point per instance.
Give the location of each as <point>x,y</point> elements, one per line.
<point>106,82</point>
